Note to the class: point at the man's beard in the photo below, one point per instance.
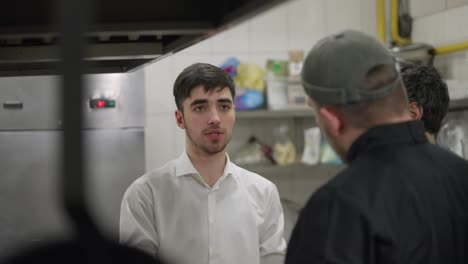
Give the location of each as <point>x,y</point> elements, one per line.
<point>211,150</point>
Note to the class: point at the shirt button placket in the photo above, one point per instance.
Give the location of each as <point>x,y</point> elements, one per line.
<point>211,222</point>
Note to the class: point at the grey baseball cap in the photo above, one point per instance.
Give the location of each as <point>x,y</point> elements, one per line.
<point>334,70</point>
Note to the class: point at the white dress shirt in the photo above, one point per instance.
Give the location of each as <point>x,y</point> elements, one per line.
<point>171,211</point>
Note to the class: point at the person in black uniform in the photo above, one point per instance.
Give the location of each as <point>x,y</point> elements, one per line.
<point>428,96</point>
<point>400,199</point>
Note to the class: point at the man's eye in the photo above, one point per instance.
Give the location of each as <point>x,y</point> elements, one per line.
<point>199,108</point>
<point>225,107</point>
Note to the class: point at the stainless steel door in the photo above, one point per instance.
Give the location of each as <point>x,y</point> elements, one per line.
<point>29,194</point>
<point>115,158</point>
<point>30,153</point>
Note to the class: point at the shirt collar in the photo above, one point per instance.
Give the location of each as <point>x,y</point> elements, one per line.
<point>412,132</point>
<point>184,166</point>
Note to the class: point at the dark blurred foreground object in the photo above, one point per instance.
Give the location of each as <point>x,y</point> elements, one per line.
<point>88,245</point>
<point>81,252</point>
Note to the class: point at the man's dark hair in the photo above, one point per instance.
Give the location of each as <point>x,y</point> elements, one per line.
<point>207,75</point>
<point>426,87</point>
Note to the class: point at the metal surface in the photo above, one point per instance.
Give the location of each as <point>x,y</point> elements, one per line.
<point>114,159</point>
<point>31,152</point>
<point>41,101</point>
<point>419,53</point>
<point>29,194</point>
<point>128,91</point>
<point>147,28</point>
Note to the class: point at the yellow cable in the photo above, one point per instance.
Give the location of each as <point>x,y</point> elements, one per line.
<point>451,48</point>
<point>381,21</point>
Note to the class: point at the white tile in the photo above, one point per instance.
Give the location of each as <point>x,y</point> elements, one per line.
<point>233,40</point>
<point>306,20</point>
<point>268,32</point>
<point>443,63</point>
<point>430,29</point>
<point>369,17</point>
<point>419,8</point>
<point>443,28</point>
<point>455,25</point>
<point>341,15</point>
<point>181,61</point>
<point>459,63</point>
<point>161,136</point>
<point>159,81</point>
<point>456,3</point>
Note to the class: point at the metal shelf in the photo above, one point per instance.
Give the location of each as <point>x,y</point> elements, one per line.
<point>455,105</point>
<point>458,105</point>
<point>288,113</point>
<point>294,169</point>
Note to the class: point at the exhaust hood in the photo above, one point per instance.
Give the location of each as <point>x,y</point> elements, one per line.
<point>125,34</point>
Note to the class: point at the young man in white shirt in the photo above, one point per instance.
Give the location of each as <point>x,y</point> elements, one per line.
<point>201,208</point>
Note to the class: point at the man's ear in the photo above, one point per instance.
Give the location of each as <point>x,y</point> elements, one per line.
<point>333,121</point>
<point>180,119</point>
<point>416,110</point>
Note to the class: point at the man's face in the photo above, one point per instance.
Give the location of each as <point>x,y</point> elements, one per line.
<point>208,119</point>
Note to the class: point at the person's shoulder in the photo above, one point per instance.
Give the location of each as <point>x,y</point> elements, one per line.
<point>251,179</point>
<point>154,178</point>
<point>346,185</point>
<point>338,196</point>
<point>342,180</point>
<point>322,196</point>
<point>452,164</point>
<point>165,171</point>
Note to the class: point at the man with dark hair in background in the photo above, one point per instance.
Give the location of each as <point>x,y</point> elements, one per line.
<point>201,208</point>
<point>400,199</point>
<point>428,96</point>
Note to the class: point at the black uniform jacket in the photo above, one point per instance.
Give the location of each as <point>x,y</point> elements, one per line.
<point>400,200</point>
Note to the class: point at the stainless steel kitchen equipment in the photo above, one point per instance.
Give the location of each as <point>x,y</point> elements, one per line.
<point>31,152</point>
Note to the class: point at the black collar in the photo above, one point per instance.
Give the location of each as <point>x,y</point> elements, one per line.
<point>398,133</point>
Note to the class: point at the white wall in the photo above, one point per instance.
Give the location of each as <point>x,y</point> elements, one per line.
<point>443,22</point>
<point>298,24</point>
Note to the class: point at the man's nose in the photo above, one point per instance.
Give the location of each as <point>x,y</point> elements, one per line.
<point>214,117</point>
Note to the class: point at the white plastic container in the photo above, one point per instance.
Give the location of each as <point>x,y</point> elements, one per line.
<point>277,94</point>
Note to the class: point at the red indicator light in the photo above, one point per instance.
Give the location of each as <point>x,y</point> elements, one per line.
<point>100,103</point>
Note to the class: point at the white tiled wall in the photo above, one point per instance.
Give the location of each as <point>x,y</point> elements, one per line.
<point>298,24</point>
<point>456,3</point>
<point>340,15</point>
<point>233,41</point>
<point>420,8</point>
<point>303,33</point>
<point>444,23</point>
<point>268,31</point>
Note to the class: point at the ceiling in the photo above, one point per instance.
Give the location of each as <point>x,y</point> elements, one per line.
<point>124,35</point>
